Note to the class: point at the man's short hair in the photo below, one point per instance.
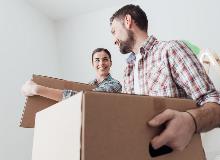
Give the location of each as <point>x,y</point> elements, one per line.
<point>136,13</point>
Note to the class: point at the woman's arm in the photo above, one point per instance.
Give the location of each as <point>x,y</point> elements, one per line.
<point>30,88</point>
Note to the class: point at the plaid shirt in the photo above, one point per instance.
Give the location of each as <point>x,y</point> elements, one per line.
<point>109,84</point>
<point>169,69</point>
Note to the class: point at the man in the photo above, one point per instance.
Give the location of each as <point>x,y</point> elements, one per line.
<point>159,68</point>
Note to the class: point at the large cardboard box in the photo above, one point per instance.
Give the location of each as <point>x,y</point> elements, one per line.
<point>106,126</point>
<point>35,104</point>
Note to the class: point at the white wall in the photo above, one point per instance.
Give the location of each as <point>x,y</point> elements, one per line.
<point>27,45</point>
<point>78,37</point>
<point>197,21</point>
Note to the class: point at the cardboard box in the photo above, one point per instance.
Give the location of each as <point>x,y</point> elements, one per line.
<point>106,126</point>
<point>37,103</point>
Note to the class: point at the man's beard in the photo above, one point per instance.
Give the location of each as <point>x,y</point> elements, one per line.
<point>126,46</point>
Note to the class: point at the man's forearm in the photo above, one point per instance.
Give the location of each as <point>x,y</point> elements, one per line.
<point>207,117</point>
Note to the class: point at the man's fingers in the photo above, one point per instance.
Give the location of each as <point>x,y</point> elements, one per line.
<point>161,118</point>
<point>177,134</point>
<point>158,120</point>
<point>162,139</point>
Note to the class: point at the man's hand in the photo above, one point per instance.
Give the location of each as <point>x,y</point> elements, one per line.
<point>179,129</point>
<point>30,88</point>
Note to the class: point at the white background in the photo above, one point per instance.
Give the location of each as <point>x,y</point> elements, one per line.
<point>32,41</point>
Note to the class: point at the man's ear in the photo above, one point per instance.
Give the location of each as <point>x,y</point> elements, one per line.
<point>128,21</point>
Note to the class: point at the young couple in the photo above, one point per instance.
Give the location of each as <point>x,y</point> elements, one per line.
<point>156,68</point>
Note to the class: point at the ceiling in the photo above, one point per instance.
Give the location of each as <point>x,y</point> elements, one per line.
<point>60,9</point>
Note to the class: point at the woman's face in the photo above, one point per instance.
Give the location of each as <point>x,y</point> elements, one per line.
<point>101,63</point>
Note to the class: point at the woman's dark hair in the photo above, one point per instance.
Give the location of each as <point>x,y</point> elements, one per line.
<point>100,50</point>
<point>136,13</point>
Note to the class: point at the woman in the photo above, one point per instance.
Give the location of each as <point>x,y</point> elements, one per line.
<point>101,61</point>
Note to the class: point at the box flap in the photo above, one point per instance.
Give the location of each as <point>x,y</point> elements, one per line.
<point>115,127</point>
<point>37,103</point>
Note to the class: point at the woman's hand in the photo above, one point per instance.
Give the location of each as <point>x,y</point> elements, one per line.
<point>30,88</point>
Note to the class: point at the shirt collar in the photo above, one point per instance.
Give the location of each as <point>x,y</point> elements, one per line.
<point>146,47</point>
<point>148,44</point>
<point>95,82</point>
<point>131,58</point>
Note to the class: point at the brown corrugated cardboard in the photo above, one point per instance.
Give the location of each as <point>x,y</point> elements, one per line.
<point>106,126</point>
<point>37,103</point>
